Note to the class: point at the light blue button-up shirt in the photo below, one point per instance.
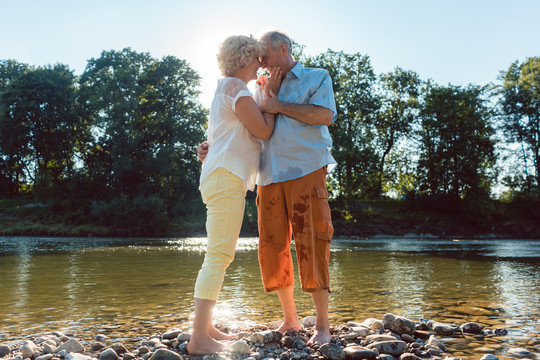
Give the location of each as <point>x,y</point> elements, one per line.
<point>295,148</point>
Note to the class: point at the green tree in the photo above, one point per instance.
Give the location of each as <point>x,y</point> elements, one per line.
<point>38,127</point>
<point>394,121</point>
<point>146,121</point>
<point>10,175</point>
<point>456,144</point>
<point>520,102</point>
<point>353,133</point>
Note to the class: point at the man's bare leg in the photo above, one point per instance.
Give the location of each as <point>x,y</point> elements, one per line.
<point>290,317</point>
<point>201,342</point>
<point>322,324</point>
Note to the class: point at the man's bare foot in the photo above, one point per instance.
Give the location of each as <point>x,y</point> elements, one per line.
<point>320,337</point>
<point>286,326</point>
<point>204,346</point>
<point>219,335</point>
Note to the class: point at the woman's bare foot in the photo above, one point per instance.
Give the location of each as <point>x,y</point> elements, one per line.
<point>204,346</point>
<point>219,335</point>
<point>320,337</point>
<point>286,326</point>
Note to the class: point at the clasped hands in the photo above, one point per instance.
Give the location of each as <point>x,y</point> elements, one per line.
<point>271,104</point>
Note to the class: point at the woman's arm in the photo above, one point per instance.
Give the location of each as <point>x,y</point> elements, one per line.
<point>261,125</point>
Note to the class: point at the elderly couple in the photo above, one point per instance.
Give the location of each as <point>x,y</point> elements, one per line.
<point>279,140</point>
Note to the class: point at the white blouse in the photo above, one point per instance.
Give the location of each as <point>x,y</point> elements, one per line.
<point>231,145</point>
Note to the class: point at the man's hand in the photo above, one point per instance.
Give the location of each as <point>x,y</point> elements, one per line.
<point>271,104</point>
<point>202,150</point>
<point>274,82</point>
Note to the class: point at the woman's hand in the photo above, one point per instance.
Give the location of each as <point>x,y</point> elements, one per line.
<point>271,104</point>
<point>202,150</point>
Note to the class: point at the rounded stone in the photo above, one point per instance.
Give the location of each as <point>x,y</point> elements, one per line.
<point>48,348</point>
<point>433,341</point>
<point>108,354</point>
<point>489,357</point>
<point>394,348</point>
<point>118,348</point>
<point>471,328</point>
<point>332,351</point>
<point>143,350</point>
<point>28,349</point>
<point>519,352</point>
<point>183,337</point>
<point>4,350</point>
<point>309,321</point>
<point>77,356</point>
<point>171,333</point>
<point>358,352</point>
<point>153,341</point>
<point>240,347</point>
<point>164,354</point>
<point>97,346</point>
<point>407,338</point>
<point>408,356</point>
<point>439,328</point>
<point>380,337</point>
<point>398,324</point>
<point>45,357</point>
<point>62,353</point>
<point>71,346</point>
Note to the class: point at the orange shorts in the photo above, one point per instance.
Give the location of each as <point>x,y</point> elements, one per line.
<point>299,208</point>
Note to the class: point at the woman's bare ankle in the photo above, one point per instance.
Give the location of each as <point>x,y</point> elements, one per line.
<point>289,325</point>
<point>204,346</point>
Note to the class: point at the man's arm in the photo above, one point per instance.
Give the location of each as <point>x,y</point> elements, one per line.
<point>306,113</point>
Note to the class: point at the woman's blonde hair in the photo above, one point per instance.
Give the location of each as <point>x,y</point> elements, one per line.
<point>238,51</point>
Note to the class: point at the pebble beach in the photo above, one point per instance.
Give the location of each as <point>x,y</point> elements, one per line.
<point>392,337</point>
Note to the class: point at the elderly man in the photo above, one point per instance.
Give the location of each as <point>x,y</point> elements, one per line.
<point>292,199</point>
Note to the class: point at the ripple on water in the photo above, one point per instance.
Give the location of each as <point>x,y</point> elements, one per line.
<point>62,284</point>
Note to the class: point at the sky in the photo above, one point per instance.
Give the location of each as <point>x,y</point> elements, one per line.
<point>458,42</point>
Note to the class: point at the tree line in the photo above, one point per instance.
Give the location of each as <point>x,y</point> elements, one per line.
<point>116,144</point>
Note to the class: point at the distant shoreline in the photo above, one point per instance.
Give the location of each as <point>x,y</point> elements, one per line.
<point>384,218</point>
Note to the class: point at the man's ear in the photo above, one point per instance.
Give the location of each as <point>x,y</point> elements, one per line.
<point>283,49</point>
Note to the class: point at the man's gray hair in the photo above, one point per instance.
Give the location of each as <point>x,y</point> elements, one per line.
<point>278,38</point>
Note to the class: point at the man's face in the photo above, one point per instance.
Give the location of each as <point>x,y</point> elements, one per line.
<point>272,57</point>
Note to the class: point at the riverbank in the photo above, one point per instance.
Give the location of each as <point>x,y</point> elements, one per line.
<point>392,337</point>
<point>24,217</point>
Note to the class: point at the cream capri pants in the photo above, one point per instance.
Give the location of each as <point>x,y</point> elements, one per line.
<point>224,195</point>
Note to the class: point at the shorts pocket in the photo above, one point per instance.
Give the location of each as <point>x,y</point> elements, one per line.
<point>325,236</point>
<point>323,226</point>
<point>322,193</point>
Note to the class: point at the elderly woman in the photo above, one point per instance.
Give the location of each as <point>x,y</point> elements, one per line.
<point>229,170</point>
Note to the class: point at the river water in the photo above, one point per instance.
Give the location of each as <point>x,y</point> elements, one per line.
<point>143,286</point>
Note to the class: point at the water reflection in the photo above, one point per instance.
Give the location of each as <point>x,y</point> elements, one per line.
<point>59,284</point>
<point>516,288</point>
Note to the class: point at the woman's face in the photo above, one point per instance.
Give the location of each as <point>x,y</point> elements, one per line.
<point>253,67</point>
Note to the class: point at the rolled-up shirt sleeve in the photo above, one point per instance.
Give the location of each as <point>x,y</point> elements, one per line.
<point>324,95</point>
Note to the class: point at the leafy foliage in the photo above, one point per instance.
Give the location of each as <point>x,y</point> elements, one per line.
<point>456,144</point>
<point>353,133</point>
<point>39,127</point>
<point>520,103</point>
<point>115,146</point>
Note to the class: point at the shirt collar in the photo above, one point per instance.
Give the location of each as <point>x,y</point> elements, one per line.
<point>297,70</point>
